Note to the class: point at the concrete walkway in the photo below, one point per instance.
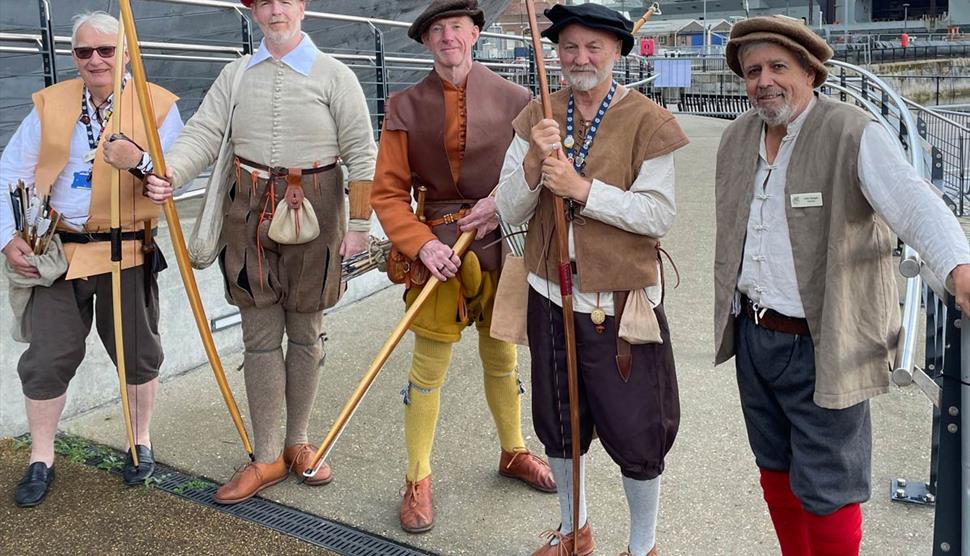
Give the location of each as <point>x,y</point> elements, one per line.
<point>711,500</point>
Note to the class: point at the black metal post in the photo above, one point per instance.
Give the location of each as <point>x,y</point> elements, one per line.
<point>48,50</point>
<point>532,71</point>
<point>247,34</point>
<point>842,82</point>
<point>380,74</point>
<point>947,538</point>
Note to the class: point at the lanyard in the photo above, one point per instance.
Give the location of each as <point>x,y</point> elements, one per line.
<point>86,116</point>
<point>579,160</point>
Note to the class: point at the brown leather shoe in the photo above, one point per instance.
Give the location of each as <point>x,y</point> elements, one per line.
<point>417,515</point>
<point>249,480</point>
<point>298,457</point>
<point>528,468</point>
<point>653,552</point>
<point>583,539</point>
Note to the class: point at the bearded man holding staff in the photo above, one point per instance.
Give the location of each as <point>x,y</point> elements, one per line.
<point>808,190</point>
<point>62,149</point>
<point>275,124</point>
<point>609,152</point>
<point>447,134</point>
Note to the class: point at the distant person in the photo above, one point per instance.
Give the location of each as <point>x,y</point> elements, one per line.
<point>61,149</point>
<point>608,151</point>
<point>276,124</point>
<point>447,134</point>
<point>808,193</point>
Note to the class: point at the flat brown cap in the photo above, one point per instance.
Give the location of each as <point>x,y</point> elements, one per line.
<point>446,8</point>
<point>790,33</point>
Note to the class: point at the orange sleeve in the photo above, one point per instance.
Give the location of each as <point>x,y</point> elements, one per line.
<point>391,195</point>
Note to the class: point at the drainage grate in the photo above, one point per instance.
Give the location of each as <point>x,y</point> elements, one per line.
<point>313,529</point>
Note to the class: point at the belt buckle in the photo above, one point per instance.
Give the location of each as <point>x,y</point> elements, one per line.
<point>759,312</point>
<point>278,171</point>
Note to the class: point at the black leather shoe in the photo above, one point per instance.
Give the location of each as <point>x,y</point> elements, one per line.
<point>135,476</point>
<point>32,489</point>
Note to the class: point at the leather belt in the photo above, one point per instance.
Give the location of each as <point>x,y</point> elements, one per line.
<point>282,171</point>
<point>72,237</point>
<point>773,320</point>
<point>449,218</point>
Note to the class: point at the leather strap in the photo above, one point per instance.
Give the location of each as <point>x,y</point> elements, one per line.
<point>283,171</point>
<point>448,218</point>
<point>624,355</point>
<point>294,188</point>
<point>773,320</point>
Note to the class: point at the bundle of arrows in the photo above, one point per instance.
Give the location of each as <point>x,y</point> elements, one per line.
<point>33,216</point>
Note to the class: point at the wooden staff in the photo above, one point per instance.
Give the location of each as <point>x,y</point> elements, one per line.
<point>464,241</point>
<point>565,277</point>
<point>116,247</point>
<point>174,226</point>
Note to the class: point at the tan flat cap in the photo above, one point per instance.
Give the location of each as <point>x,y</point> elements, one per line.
<point>785,31</point>
<point>446,8</point>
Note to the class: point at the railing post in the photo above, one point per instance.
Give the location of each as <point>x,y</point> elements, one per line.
<point>247,34</point>
<point>380,74</point>
<point>842,82</point>
<point>964,191</point>
<point>532,71</point>
<point>48,51</point>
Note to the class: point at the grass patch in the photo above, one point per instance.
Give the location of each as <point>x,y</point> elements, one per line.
<point>193,485</point>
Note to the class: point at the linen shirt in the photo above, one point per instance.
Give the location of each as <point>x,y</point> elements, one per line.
<point>891,185</point>
<point>20,157</point>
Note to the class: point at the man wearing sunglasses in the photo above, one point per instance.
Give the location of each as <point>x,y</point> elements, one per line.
<point>61,150</point>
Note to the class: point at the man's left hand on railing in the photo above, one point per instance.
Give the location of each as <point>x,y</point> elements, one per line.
<point>961,287</point>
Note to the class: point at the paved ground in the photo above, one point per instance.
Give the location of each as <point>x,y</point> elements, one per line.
<point>89,511</point>
<point>711,502</point>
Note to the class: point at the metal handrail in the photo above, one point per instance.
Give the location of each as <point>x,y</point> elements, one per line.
<point>902,374</point>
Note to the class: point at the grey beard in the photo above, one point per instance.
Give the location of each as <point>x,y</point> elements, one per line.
<point>585,81</point>
<point>780,116</point>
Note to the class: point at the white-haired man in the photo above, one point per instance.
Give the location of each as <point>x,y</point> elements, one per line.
<point>612,160</point>
<point>61,149</point>
<point>805,293</point>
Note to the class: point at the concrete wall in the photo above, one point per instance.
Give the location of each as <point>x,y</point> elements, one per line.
<point>96,381</point>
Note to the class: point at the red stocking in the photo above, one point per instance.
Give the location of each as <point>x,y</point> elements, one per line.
<point>787,514</point>
<point>836,534</point>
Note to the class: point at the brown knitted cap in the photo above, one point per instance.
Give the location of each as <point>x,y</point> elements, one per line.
<point>790,33</point>
<point>446,8</point>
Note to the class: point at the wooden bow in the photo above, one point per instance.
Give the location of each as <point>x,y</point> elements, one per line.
<point>174,226</point>
<point>565,276</point>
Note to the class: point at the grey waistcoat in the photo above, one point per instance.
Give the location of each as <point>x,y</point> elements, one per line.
<point>842,251</point>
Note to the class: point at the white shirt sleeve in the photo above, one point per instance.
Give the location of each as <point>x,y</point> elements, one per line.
<point>515,201</point>
<point>171,127</point>
<point>647,208</point>
<point>19,162</point>
<point>908,204</point>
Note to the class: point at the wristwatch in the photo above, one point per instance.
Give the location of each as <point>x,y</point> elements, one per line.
<point>143,168</point>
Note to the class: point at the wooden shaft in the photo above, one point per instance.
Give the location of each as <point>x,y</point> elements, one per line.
<point>565,277</point>
<point>174,226</point>
<point>116,299</point>
<point>646,15</point>
<point>464,241</point>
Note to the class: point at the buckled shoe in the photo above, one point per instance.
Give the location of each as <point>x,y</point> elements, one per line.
<point>417,513</point>
<point>32,489</point>
<point>250,480</point>
<point>583,540</point>
<point>528,468</point>
<point>298,457</point>
<point>134,476</point>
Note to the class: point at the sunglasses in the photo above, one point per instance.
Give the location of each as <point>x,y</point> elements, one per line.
<point>85,52</point>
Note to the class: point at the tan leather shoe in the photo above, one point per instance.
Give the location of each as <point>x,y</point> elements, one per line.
<point>417,514</point>
<point>528,468</point>
<point>298,457</point>
<point>564,547</point>
<point>653,552</point>
<point>249,480</point>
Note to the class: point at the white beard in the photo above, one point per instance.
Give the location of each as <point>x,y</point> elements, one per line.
<point>585,81</point>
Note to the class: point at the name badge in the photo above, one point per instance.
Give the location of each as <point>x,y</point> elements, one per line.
<point>89,156</point>
<point>805,200</point>
<point>82,180</point>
